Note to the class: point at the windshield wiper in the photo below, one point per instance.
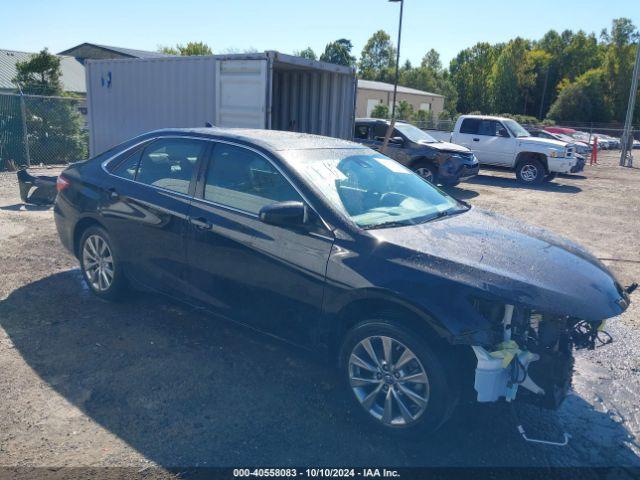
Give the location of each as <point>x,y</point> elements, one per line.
<point>406,223</point>
<point>374,226</point>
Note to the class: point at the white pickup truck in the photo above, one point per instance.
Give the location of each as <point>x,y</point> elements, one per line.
<point>504,142</point>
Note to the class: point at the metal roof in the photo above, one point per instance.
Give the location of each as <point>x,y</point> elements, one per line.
<point>388,87</point>
<point>129,52</point>
<point>72,71</point>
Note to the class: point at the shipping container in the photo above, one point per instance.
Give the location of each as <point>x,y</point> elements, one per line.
<point>127,97</point>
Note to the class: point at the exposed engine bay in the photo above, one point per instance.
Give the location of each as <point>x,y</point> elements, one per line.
<point>534,360</point>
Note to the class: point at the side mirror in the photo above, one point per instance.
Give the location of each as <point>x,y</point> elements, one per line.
<point>396,140</point>
<point>502,132</point>
<point>284,214</point>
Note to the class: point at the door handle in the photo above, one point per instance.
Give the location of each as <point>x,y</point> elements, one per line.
<point>476,139</point>
<point>200,223</point>
<point>113,194</point>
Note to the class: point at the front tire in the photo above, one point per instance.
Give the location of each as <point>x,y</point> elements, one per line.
<point>395,379</point>
<point>530,171</point>
<point>99,263</point>
<point>427,171</point>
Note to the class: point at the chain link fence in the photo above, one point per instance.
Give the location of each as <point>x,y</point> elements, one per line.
<point>41,130</point>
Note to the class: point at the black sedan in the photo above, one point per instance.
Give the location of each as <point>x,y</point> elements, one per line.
<point>419,299</point>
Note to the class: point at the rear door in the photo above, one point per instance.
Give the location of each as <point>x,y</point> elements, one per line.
<point>146,210</point>
<point>269,277</point>
<point>241,93</point>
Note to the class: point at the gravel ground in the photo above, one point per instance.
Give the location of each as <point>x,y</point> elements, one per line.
<point>151,383</point>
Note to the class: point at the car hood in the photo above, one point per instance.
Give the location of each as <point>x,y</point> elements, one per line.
<point>446,147</point>
<point>543,142</point>
<point>512,262</point>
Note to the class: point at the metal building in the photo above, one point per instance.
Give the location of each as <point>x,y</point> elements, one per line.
<point>126,97</point>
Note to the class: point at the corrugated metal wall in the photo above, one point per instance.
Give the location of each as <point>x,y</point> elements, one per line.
<point>314,102</point>
<point>130,97</point>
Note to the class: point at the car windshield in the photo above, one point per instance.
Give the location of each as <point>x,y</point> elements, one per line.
<point>516,129</point>
<point>414,134</point>
<point>370,189</point>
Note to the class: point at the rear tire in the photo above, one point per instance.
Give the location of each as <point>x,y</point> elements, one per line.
<point>101,269</point>
<point>395,379</point>
<point>550,177</point>
<point>427,171</point>
<point>530,171</point>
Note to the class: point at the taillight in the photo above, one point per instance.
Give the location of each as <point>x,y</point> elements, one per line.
<point>62,183</point>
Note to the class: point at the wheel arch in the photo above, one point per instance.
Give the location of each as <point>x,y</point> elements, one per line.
<point>541,157</point>
<point>81,226</point>
<point>395,310</point>
<point>423,159</point>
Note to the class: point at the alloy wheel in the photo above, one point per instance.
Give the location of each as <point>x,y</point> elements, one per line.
<point>425,173</point>
<point>529,173</point>
<point>97,262</point>
<point>388,380</point>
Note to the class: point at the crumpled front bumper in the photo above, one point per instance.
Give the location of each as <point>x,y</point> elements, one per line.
<point>579,166</point>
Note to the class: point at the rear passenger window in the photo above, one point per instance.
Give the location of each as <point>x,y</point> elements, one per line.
<point>242,179</point>
<point>169,163</point>
<point>128,167</point>
<point>362,132</point>
<point>470,125</point>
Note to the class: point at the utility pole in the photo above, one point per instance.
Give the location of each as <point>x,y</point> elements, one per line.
<point>627,132</point>
<point>395,84</point>
<point>544,92</point>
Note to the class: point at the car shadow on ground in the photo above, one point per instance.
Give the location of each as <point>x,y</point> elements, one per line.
<point>184,389</point>
<point>25,206</point>
<point>460,193</point>
<point>504,182</point>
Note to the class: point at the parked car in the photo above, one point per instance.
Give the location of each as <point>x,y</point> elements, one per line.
<point>504,142</point>
<point>333,246</point>
<point>435,161</point>
<point>581,147</point>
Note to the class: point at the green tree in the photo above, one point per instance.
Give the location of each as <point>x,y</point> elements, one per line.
<point>583,100</point>
<point>378,58</point>
<point>511,77</point>
<point>618,64</point>
<point>471,74</point>
<point>404,110</point>
<point>339,52</point>
<point>306,53</point>
<point>40,75</point>
<point>190,49</point>
<point>430,77</point>
<point>431,60</point>
<point>424,118</point>
<point>380,111</point>
<point>54,124</point>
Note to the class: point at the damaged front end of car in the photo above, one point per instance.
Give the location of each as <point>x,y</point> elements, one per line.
<point>531,355</point>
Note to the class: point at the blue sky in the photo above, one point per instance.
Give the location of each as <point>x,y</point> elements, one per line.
<point>288,25</point>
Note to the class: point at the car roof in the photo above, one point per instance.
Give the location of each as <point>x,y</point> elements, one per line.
<point>485,117</point>
<point>376,120</point>
<point>269,139</point>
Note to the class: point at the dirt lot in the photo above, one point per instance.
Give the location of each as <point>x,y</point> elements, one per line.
<point>152,383</point>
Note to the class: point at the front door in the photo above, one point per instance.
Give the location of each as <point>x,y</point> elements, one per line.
<point>269,277</point>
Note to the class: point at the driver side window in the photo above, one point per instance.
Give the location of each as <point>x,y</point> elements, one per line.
<point>243,179</point>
